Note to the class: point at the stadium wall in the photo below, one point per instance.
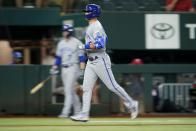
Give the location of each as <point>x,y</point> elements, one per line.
<point>17,80</point>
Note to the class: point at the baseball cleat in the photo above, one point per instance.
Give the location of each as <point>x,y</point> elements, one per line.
<point>135,110</point>
<point>79,118</point>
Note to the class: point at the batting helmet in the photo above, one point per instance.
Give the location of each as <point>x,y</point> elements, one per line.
<point>92,11</point>
<point>69,28</point>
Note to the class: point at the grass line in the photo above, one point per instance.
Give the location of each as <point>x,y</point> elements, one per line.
<point>100,125</point>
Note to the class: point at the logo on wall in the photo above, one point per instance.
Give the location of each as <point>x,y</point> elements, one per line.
<point>162,31</point>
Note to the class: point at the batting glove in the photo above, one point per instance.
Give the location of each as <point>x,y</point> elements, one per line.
<point>54,70</point>
<point>81,47</point>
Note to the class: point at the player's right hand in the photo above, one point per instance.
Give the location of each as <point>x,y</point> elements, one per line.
<point>92,46</point>
<point>54,70</point>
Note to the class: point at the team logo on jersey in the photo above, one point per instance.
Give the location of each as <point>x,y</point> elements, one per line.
<point>95,34</point>
<point>162,31</point>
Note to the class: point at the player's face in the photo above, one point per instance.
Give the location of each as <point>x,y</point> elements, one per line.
<point>65,34</point>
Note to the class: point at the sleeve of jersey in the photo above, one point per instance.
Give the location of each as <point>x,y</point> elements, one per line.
<point>57,61</point>
<point>100,41</point>
<point>82,56</point>
<point>58,56</point>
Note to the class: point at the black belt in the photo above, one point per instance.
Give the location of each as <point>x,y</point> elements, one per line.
<point>67,66</point>
<point>92,59</point>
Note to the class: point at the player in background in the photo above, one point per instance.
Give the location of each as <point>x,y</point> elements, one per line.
<point>5,52</point>
<point>99,65</point>
<point>180,5</point>
<point>17,57</point>
<point>69,56</point>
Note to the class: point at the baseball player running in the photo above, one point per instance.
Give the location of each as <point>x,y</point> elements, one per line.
<point>68,56</point>
<point>99,65</point>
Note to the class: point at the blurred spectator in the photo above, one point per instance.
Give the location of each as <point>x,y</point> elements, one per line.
<point>17,57</point>
<point>137,87</point>
<point>49,58</point>
<point>41,3</point>
<point>19,3</point>
<point>137,61</point>
<point>179,5</point>
<point>133,83</point>
<point>155,95</point>
<point>27,3</point>
<point>124,82</point>
<point>47,52</point>
<point>68,5</point>
<point>5,53</point>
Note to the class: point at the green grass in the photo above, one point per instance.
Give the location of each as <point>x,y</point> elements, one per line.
<point>98,124</point>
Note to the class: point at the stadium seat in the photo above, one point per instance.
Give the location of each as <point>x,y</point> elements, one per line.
<point>99,2</point>
<point>116,4</point>
<point>152,5</point>
<point>110,6</point>
<point>80,6</point>
<point>161,2</point>
<point>140,2</point>
<point>194,3</point>
<point>130,6</point>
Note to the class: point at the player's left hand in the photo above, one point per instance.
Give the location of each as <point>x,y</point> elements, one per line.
<point>54,70</point>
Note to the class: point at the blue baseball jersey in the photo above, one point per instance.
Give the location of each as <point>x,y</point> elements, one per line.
<point>68,51</point>
<point>95,33</point>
